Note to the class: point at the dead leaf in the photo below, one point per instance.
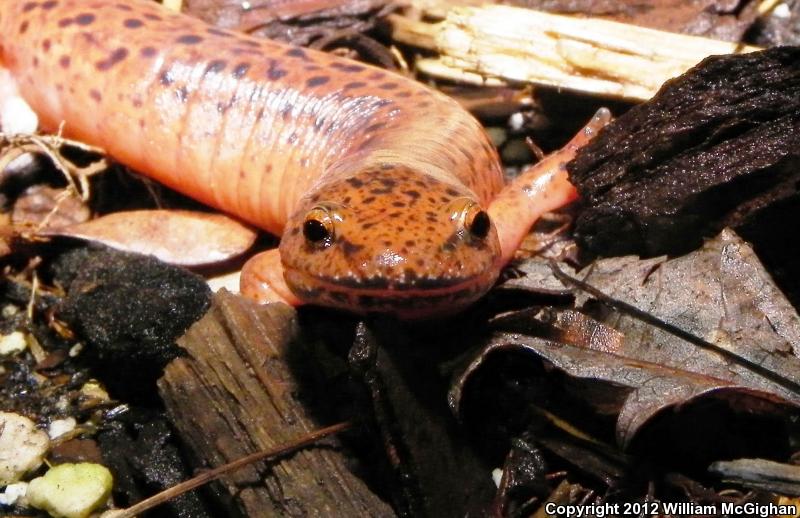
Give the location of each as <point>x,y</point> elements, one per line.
<point>184,238</point>
<point>44,207</point>
<point>614,365</point>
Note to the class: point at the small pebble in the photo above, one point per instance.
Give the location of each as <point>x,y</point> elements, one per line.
<point>497,135</point>
<point>13,343</point>
<point>59,427</point>
<point>75,350</point>
<point>9,310</point>
<point>22,447</point>
<point>497,476</point>
<point>71,490</point>
<point>13,492</point>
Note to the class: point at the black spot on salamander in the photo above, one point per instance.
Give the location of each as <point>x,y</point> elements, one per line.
<point>137,103</point>
<point>84,19</point>
<point>95,94</point>
<point>451,191</point>
<point>23,27</point>
<point>64,61</point>
<point>387,182</point>
<point>373,127</point>
<point>215,66</point>
<point>49,5</point>
<point>64,22</point>
<point>348,247</point>
<point>411,193</point>
<point>182,94</point>
<point>46,44</point>
<point>367,201</point>
<point>354,84</point>
<point>251,43</point>
<point>402,94</point>
<point>260,114</point>
<point>189,39</point>
<point>347,67</point>
<point>123,7</point>
<point>375,76</point>
<point>153,17</point>
<point>274,72</point>
<point>30,6</point>
<point>410,243</point>
<point>240,70</point>
<point>355,182</point>
<point>166,78</point>
<point>398,204</point>
<point>388,86</point>
<point>387,167</point>
<point>297,52</point>
<point>132,23</point>
<point>113,58</point>
<point>35,61</point>
<point>317,80</point>
<point>217,32</point>
<point>367,225</point>
<point>148,52</point>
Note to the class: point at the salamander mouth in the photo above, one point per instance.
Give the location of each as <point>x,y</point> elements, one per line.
<point>422,298</point>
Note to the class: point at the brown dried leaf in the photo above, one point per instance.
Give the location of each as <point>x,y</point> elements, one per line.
<point>178,237</point>
<point>44,207</point>
<point>621,366</point>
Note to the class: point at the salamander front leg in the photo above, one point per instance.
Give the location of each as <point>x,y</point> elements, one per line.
<point>540,188</point>
<point>262,280</point>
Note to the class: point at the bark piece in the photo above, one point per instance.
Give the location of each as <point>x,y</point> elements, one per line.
<point>712,149</point>
<point>234,393</point>
<point>761,474</point>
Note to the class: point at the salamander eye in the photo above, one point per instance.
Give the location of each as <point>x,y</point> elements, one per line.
<point>471,217</point>
<point>318,226</point>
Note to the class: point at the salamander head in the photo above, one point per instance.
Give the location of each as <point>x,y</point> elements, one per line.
<point>390,240</point>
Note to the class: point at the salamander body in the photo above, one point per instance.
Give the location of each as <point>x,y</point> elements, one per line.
<point>388,196</point>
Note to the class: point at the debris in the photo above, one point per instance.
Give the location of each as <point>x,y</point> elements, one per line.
<point>71,490</point>
<point>13,492</point>
<point>22,447</point>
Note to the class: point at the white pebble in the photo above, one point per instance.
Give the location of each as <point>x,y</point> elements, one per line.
<point>13,343</point>
<point>22,447</point>
<point>75,350</point>
<point>497,476</point>
<point>16,117</point>
<point>516,121</point>
<point>782,11</point>
<point>13,492</point>
<point>71,490</point>
<point>59,427</point>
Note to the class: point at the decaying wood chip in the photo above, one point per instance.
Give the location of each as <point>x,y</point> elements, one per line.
<point>234,393</point>
<point>494,44</point>
<point>635,371</point>
<point>185,238</point>
<point>716,147</point>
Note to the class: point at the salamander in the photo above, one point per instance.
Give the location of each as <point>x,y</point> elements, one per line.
<point>387,195</point>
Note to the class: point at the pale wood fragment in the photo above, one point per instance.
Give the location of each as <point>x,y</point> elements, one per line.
<point>495,44</point>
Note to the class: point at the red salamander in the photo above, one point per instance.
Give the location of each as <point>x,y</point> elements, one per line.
<point>387,195</point>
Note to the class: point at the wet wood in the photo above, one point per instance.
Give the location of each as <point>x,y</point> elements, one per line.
<point>234,393</point>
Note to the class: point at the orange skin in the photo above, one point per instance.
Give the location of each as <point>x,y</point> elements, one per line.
<point>379,186</point>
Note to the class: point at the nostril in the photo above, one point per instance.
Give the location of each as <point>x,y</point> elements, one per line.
<point>479,226</point>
